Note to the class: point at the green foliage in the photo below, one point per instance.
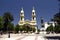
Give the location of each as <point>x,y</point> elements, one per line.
<point>24,28</point>
<point>17,28</point>
<point>8,18</point>
<point>50,29</point>
<point>11,27</point>
<point>57,18</point>
<point>27,28</point>
<point>1,23</point>
<point>33,29</point>
<point>21,29</point>
<point>57,29</point>
<point>38,30</point>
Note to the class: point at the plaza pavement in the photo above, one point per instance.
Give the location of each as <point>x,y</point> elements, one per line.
<point>26,36</point>
<point>22,37</point>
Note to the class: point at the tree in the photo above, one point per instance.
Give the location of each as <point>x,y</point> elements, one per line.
<point>11,27</point>
<point>21,29</point>
<point>57,29</point>
<point>33,29</point>
<point>38,30</point>
<point>8,18</point>
<point>1,23</point>
<point>50,28</point>
<point>57,18</point>
<point>26,28</point>
<point>17,28</point>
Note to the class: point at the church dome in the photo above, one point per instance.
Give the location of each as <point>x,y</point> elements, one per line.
<point>22,11</point>
<point>33,10</point>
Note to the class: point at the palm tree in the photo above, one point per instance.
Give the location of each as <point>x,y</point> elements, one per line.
<point>8,18</point>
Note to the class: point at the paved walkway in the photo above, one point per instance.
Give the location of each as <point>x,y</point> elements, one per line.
<point>31,37</point>
<point>22,37</point>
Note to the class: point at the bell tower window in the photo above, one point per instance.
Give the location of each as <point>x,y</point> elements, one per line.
<point>21,13</point>
<point>33,13</point>
<point>21,18</point>
<point>33,18</point>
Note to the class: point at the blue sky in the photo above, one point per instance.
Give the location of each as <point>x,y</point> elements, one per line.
<point>44,8</point>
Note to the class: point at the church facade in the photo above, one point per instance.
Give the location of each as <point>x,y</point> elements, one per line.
<point>31,23</point>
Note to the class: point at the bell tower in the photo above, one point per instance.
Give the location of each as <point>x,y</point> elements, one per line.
<point>21,17</point>
<point>33,17</point>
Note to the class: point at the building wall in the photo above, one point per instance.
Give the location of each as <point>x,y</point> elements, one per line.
<point>47,24</point>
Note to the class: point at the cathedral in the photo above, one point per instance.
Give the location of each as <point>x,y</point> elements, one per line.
<point>29,23</point>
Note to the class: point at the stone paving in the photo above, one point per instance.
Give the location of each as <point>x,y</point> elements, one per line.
<point>21,37</point>
<point>24,36</point>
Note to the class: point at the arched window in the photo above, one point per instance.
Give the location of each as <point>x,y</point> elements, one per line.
<point>33,13</point>
<point>21,13</point>
<point>33,18</point>
<point>21,18</point>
